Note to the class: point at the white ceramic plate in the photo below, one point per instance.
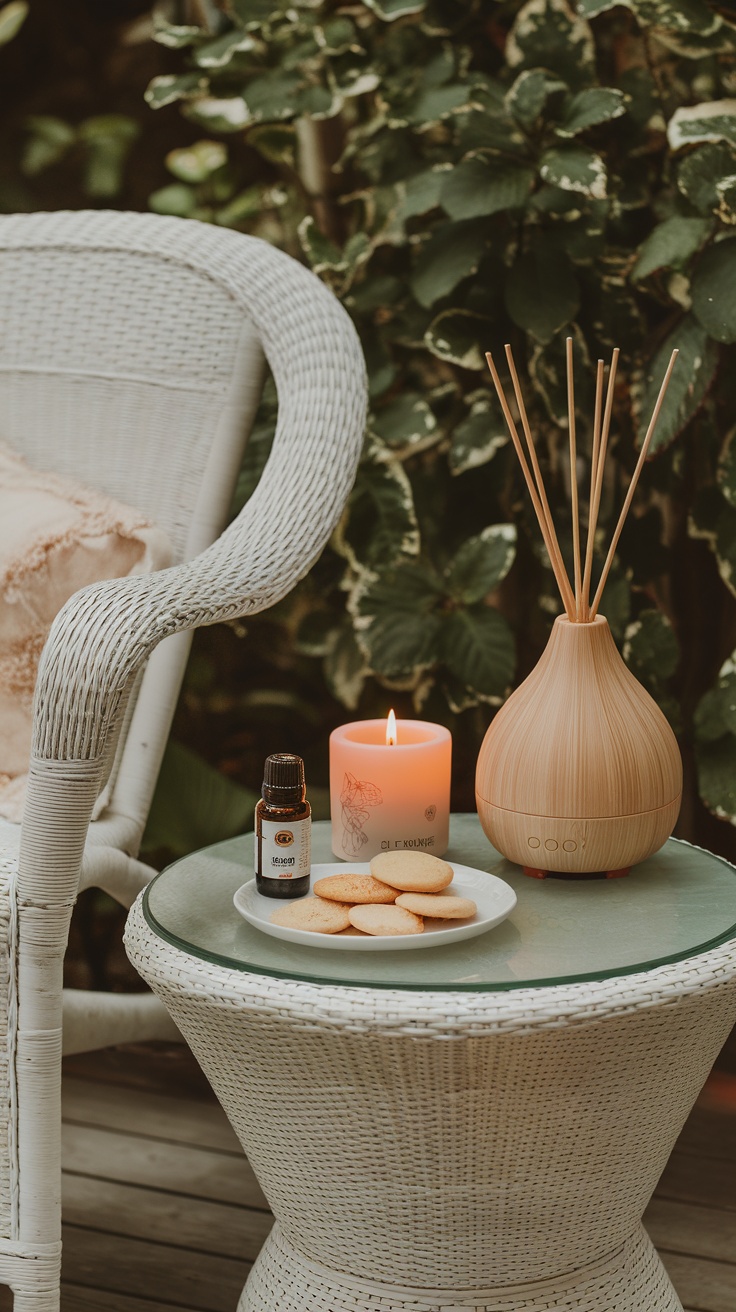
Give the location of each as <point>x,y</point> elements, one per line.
<point>495,901</point>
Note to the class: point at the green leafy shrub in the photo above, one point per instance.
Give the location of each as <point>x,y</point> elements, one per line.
<point>99,146</point>
<point>12,17</point>
<point>461,175</point>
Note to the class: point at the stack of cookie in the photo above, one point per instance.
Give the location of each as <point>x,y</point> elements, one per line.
<point>403,892</point>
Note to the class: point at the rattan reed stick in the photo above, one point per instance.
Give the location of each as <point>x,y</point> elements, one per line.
<point>595,457</point>
<point>632,486</point>
<point>576,604</point>
<point>555,558</point>
<point>573,478</point>
<point>601,462</point>
<point>567,596</point>
<point>530,445</point>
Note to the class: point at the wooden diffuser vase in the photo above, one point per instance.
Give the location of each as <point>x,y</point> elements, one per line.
<point>579,772</point>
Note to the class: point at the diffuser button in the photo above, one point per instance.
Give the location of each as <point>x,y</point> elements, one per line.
<point>569,846</point>
<point>551,844</point>
<point>534,842</point>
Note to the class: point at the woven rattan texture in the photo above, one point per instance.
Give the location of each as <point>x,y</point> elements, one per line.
<point>132,357</point>
<point>8,1021</point>
<point>452,1140</point>
<point>196,353</point>
<point>629,1280</point>
<point>319,372</point>
<point>114,369</point>
<point>130,407</point>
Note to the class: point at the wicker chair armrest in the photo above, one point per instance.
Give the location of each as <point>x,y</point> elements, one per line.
<point>105,633</point>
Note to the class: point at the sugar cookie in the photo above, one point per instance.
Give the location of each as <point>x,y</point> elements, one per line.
<point>353,888</point>
<point>385,920</point>
<point>413,872</point>
<point>313,913</point>
<point>441,908</point>
<point>350,932</point>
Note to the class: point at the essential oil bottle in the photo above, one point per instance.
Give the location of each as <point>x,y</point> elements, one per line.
<point>283,825</point>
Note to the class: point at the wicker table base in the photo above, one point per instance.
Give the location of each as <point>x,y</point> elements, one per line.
<point>631,1278</point>
<point>439,1151</point>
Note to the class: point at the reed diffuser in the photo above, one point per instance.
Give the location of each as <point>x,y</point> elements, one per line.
<point>579,772</point>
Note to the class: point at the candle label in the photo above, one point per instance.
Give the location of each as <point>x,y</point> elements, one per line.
<point>408,844</point>
<point>284,851</point>
<point>356,797</point>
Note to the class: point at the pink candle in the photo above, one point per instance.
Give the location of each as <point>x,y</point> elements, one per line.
<point>389,788</point>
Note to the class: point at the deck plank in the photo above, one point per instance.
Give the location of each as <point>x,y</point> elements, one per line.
<point>78,1298</point>
<point>711,1127</point>
<point>167,1068</point>
<point>203,1124</point>
<point>177,1168</point>
<point>702,1284</point>
<point>164,1218</point>
<point>691,1230</point>
<point>710,1182</point>
<point>155,1271</point>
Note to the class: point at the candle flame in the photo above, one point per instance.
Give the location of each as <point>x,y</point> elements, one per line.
<point>391,730</point>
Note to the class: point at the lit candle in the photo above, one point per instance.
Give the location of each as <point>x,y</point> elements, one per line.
<point>389,787</point>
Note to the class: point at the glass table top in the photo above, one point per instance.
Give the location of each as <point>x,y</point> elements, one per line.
<point>678,903</point>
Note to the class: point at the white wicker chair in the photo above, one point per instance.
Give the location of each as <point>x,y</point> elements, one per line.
<point>131,357</point>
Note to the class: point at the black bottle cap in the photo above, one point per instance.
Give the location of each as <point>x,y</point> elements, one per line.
<point>283,778</point>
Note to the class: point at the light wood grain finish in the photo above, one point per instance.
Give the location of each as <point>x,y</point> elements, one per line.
<point>147,1114</point>
<point>577,846</point>
<point>702,1285</point>
<point>580,760</point>
<point>128,1159</point>
<point>164,1216</point>
<point>696,1231</point>
<point>78,1298</point>
<point>161,1271</point>
<point>685,1178</point>
<point>579,772</point>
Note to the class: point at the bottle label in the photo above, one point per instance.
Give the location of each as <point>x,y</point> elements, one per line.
<point>284,851</point>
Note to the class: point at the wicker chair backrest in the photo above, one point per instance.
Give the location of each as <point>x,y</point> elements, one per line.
<point>126,370</point>
<point>132,353</point>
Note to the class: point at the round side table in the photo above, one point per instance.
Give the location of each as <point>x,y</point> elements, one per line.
<point>478,1127</point>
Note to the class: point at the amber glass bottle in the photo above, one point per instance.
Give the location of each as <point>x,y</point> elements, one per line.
<point>283,825</point>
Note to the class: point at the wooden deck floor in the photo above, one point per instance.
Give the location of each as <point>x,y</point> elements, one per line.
<point>163,1214</point>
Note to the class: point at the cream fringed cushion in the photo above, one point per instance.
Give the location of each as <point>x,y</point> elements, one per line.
<point>55,537</point>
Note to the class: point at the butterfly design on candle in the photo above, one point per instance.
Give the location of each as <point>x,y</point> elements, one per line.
<point>356,797</point>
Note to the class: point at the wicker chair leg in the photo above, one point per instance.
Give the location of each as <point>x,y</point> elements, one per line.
<point>43,1300</point>
<point>33,1272</point>
<point>35,1283</point>
<point>630,1280</point>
